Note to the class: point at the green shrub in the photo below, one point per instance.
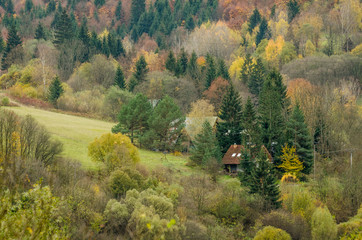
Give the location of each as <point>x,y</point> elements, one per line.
<point>5,101</point>
<point>120,183</point>
<point>352,227</point>
<point>272,233</point>
<point>323,225</point>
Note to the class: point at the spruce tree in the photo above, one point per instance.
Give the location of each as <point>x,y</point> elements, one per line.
<point>271,115</point>
<point>171,62</point>
<point>182,62</point>
<point>118,11</point>
<point>254,20</point>
<point>205,146</point>
<point>51,7</point>
<point>119,78</point>
<point>297,135</point>
<point>192,67</point>
<point>247,165</point>
<point>190,24</point>
<point>138,7</point>
<point>263,181</point>
<point>13,41</point>
<point>210,71</point>
<point>119,48</point>
<point>256,77</point>
<point>55,90</point>
<point>251,130</point>
<point>222,70</point>
<point>246,69</point>
<point>63,29</point>
<point>293,9</point>
<point>229,129</point>
<point>28,5</point>
<point>140,73</point>
<point>39,32</point>
<point>263,31</point>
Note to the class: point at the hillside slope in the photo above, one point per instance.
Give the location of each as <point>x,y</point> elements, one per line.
<point>77,132</point>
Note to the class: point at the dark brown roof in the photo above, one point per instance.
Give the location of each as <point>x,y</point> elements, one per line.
<point>233,155</point>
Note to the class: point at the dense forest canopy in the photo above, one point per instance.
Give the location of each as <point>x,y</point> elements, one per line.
<point>232,119</point>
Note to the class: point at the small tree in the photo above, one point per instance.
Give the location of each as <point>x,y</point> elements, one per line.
<point>205,146</point>
<point>272,233</point>
<point>171,62</point>
<point>39,32</point>
<point>290,161</point>
<point>119,78</point>
<point>55,90</point>
<point>323,225</point>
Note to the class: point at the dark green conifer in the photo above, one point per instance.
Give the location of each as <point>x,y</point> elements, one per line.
<point>138,7</point>
<point>246,69</point>
<point>297,135</point>
<point>119,78</point>
<point>293,9</point>
<point>118,11</point>
<point>222,70</point>
<point>13,41</point>
<point>256,77</point>
<point>63,29</point>
<point>263,181</point>
<point>229,129</point>
<point>263,31</point>
<point>140,73</point>
<point>55,90</point>
<point>254,20</point>
<point>171,62</point>
<point>251,130</point>
<point>51,6</point>
<point>28,5</point>
<point>205,146</point>
<point>210,71</point>
<point>39,32</point>
<point>182,62</point>
<point>190,24</point>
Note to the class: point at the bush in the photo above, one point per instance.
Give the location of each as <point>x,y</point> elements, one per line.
<point>115,150</point>
<point>5,101</point>
<point>296,226</point>
<point>272,233</point>
<point>323,225</point>
<point>354,225</point>
<point>126,179</point>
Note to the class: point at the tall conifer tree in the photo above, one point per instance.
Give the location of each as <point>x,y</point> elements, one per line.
<point>263,181</point>
<point>210,71</point>
<point>222,70</point>
<point>297,135</point>
<point>171,62</point>
<point>63,29</point>
<point>119,78</point>
<point>39,32</point>
<point>229,129</point>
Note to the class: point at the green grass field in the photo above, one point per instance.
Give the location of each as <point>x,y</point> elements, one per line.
<point>77,132</point>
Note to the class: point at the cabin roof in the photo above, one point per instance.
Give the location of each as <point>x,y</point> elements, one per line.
<point>233,155</point>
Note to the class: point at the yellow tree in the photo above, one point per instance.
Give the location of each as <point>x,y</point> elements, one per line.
<point>290,161</point>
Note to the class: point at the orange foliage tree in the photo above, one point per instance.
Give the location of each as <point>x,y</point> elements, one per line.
<point>216,91</point>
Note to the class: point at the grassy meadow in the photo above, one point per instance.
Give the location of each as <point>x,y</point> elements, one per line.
<point>77,132</point>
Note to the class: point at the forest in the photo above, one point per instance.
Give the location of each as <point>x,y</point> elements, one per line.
<point>182,119</point>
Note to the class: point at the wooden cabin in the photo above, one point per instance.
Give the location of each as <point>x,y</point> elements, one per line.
<point>232,158</point>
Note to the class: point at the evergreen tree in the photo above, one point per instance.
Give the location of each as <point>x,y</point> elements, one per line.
<point>256,77</point>
<point>251,130</point>
<point>210,71</point>
<point>140,73</point>
<point>246,69</point>
<point>99,3</point>
<point>133,117</point>
<point>247,164</point>
<point>51,7</point>
<point>171,62</point>
<point>229,129</point>
<point>222,70</point>
<point>297,135</point>
<point>13,41</point>
<point>165,124</point>
<point>119,78</point>
<point>28,5</point>
<point>118,11</point>
<point>2,44</point>
<point>205,146</point>
<point>192,67</point>
<point>63,29</point>
<point>119,48</point>
<point>138,7</point>
<point>105,48</point>
<point>263,31</point>
<point>39,32</point>
<point>263,181</point>
<point>190,24</point>
<point>83,34</point>
<point>293,9</point>
<point>271,117</point>
<point>254,20</point>
<point>55,90</point>
<point>182,62</point>
<point>10,7</point>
